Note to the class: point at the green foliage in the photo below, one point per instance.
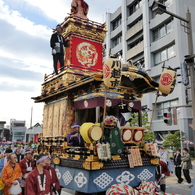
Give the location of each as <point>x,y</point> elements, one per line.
<point>31,142</point>
<point>173,141</point>
<point>148,135</point>
<point>134,120</point>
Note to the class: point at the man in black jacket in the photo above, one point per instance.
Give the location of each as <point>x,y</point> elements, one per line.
<point>177,163</point>
<point>57,43</point>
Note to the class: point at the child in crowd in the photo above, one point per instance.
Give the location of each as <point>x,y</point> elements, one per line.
<point>170,164</point>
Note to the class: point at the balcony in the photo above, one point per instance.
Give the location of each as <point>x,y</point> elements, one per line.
<point>18,129</point>
<point>134,30</point>
<point>135,50</point>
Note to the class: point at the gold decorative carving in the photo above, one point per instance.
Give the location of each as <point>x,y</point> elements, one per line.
<point>116,157</point>
<point>92,165</point>
<point>71,27</point>
<point>77,157</point>
<point>155,161</point>
<point>56,160</point>
<point>65,78</point>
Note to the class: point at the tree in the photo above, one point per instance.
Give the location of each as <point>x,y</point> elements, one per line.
<point>148,134</point>
<point>173,141</point>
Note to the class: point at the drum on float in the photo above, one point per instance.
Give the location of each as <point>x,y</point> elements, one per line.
<point>138,135</point>
<point>132,134</point>
<point>127,135</point>
<point>91,132</point>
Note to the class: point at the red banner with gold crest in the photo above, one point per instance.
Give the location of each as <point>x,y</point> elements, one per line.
<point>84,54</point>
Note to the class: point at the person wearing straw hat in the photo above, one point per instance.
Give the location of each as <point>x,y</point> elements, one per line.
<point>57,43</point>
<point>39,181</point>
<point>26,165</point>
<point>75,138</point>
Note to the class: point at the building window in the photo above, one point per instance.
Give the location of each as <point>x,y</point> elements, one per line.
<point>164,55</point>
<point>163,30</point>
<point>116,40</point>
<point>134,23</point>
<point>163,108</point>
<point>19,136</point>
<point>130,46</point>
<point>18,124</point>
<point>117,22</point>
<point>134,7</point>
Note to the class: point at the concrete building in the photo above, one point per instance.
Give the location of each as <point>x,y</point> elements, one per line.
<point>18,130</point>
<point>33,131</point>
<point>145,38</point>
<point>4,132</point>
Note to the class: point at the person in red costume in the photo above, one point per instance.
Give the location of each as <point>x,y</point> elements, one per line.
<point>55,182</point>
<point>79,8</point>
<point>38,181</point>
<point>162,171</point>
<point>26,165</point>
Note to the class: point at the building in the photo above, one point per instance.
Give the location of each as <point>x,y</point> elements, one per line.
<point>4,132</point>
<point>149,40</point>
<point>18,130</point>
<point>32,132</point>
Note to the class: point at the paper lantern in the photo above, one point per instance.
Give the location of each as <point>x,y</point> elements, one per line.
<point>151,149</point>
<point>167,81</point>
<point>112,72</point>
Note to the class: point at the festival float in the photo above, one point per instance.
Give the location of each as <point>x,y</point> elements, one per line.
<point>90,90</point>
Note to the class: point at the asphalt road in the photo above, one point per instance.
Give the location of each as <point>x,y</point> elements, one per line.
<point>172,186</point>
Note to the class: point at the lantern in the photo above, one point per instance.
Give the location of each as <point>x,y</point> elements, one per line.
<point>167,81</point>
<point>112,72</point>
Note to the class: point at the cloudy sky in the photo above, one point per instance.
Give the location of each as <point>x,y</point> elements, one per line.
<point>25,54</point>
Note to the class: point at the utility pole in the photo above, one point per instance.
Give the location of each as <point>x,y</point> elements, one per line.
<point>190,62</point>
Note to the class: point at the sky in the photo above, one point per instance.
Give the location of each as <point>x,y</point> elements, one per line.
<point>25,54</point>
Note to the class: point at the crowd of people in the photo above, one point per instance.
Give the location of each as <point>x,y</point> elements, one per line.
<point>179,161</point>
<point>21,169</point>
<point>27,173</point>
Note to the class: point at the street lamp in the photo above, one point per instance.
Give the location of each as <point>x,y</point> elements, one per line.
<point>159,8</point>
